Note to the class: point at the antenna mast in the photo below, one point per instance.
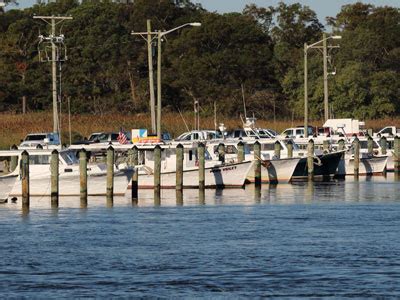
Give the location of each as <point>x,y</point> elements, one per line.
<point>57,45</point>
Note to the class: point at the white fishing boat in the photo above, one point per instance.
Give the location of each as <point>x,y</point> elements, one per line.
<point>69,175</point>
<point>368,165</point>
<point>217,174</point>
<point>273,169</point>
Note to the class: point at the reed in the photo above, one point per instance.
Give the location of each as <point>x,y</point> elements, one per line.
<point>14,127</point>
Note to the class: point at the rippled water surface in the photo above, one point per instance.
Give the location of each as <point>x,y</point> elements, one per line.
<point>337,239</point>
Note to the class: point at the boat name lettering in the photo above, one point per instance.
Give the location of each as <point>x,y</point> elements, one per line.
<point>223,169</point>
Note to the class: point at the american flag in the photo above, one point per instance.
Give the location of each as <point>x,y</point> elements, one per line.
<point>122,139</point>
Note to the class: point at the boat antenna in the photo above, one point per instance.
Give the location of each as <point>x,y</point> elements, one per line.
<point>183,119</point>
<point>244,101</point>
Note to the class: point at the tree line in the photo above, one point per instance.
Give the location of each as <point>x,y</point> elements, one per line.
<point>257,54</point>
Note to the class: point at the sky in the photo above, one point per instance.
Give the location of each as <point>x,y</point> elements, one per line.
<point>323,8</point>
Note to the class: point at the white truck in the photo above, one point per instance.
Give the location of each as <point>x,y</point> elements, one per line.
<point>40,141</point>
<point>388,131</point>
<point>347,127</point>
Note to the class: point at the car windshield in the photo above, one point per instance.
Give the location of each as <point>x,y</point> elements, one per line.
<point>102,137</point>
<point>35,137</point>
<point>93,137</point>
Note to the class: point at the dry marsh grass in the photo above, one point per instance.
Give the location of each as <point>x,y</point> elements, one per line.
<point>14,127</point>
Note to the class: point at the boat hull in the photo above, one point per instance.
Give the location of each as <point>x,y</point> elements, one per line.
<point>274,171</point>
<point>69,184</point>
<point>324,167</point>
<point>368,166</point>
<point>219,176</point>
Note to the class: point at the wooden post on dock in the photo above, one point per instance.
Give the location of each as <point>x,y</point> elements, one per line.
<point>383,144</point>
<point>396,153</point>
<point>54,168</point>
<point>83,175</point>
<point>289,149</point>
<point>202,164</point>
<point>325,146</point>
<point>310,160</point>
<point>370,144</point>
<point>110,173</point>
<point>277,149</point>
<point>135,177</point>
<point>179,167</point>
<point>157,167</point>
<point>240,154</point>
<point>341,145</point>
<point>356,146</point>
<point>257,163</point>
<point>221,152</point>
<point>25,179</point>
<point>14,159</point>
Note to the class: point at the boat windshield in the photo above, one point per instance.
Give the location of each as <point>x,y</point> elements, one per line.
<point>69,157</point>
<point>39,159</point>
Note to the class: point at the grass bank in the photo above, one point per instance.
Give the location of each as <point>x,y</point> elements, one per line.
<point>14,127</point>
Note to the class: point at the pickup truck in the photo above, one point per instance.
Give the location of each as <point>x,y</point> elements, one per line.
<point>40,141</point>
<point>388,131</point>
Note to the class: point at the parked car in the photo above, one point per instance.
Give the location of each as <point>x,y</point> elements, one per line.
<point>40,141</point>
<point>389,131</point>
<point>100,137</point>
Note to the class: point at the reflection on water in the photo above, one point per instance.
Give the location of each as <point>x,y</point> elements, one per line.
<point>337,239</point>
<point>362,189</point>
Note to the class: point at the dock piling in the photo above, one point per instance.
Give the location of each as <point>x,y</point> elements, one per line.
<point>356,145</point>
<point>277,149</point>
<point>383,143</point>
<point>341,145</point>
<point>25,179</point>
<point>289,149</point>
<point>14,159</point>
<point>110,173</point>
<point>325,146</point>
<point>240,154</point>
<point>201,154</point>
<point>83,176</point>
<point>179,167</point>
<point>135,177</point>
<point>396,157</point>
<point>257,163</point>
<point>221,152</point>
<point>310,160</point>
<point>370,144</point>
<point>157,167</point>
<point>54,168</point>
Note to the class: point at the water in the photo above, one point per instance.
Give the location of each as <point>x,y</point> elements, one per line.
<point>338,239</point>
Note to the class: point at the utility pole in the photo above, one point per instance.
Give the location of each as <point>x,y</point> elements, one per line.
<point>305,92</point>
<point>151,77</point>
<point>324,47</point>
<point>148,37</point>
<point>159,84</point>
<point>325,58</point>
<point>55,57</point>
<point>157,34</point>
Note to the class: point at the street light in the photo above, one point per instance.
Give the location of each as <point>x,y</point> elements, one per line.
<point>149,39</point>
<point>160,34</point>
<point>325,55</point>
<point>147,36</point>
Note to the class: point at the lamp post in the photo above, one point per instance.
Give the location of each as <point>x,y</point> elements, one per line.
<point>160,34</point>
<point>324,47</point>
<point>149,38</point>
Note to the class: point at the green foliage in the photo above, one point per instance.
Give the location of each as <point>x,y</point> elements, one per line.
<point>259,50</point>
